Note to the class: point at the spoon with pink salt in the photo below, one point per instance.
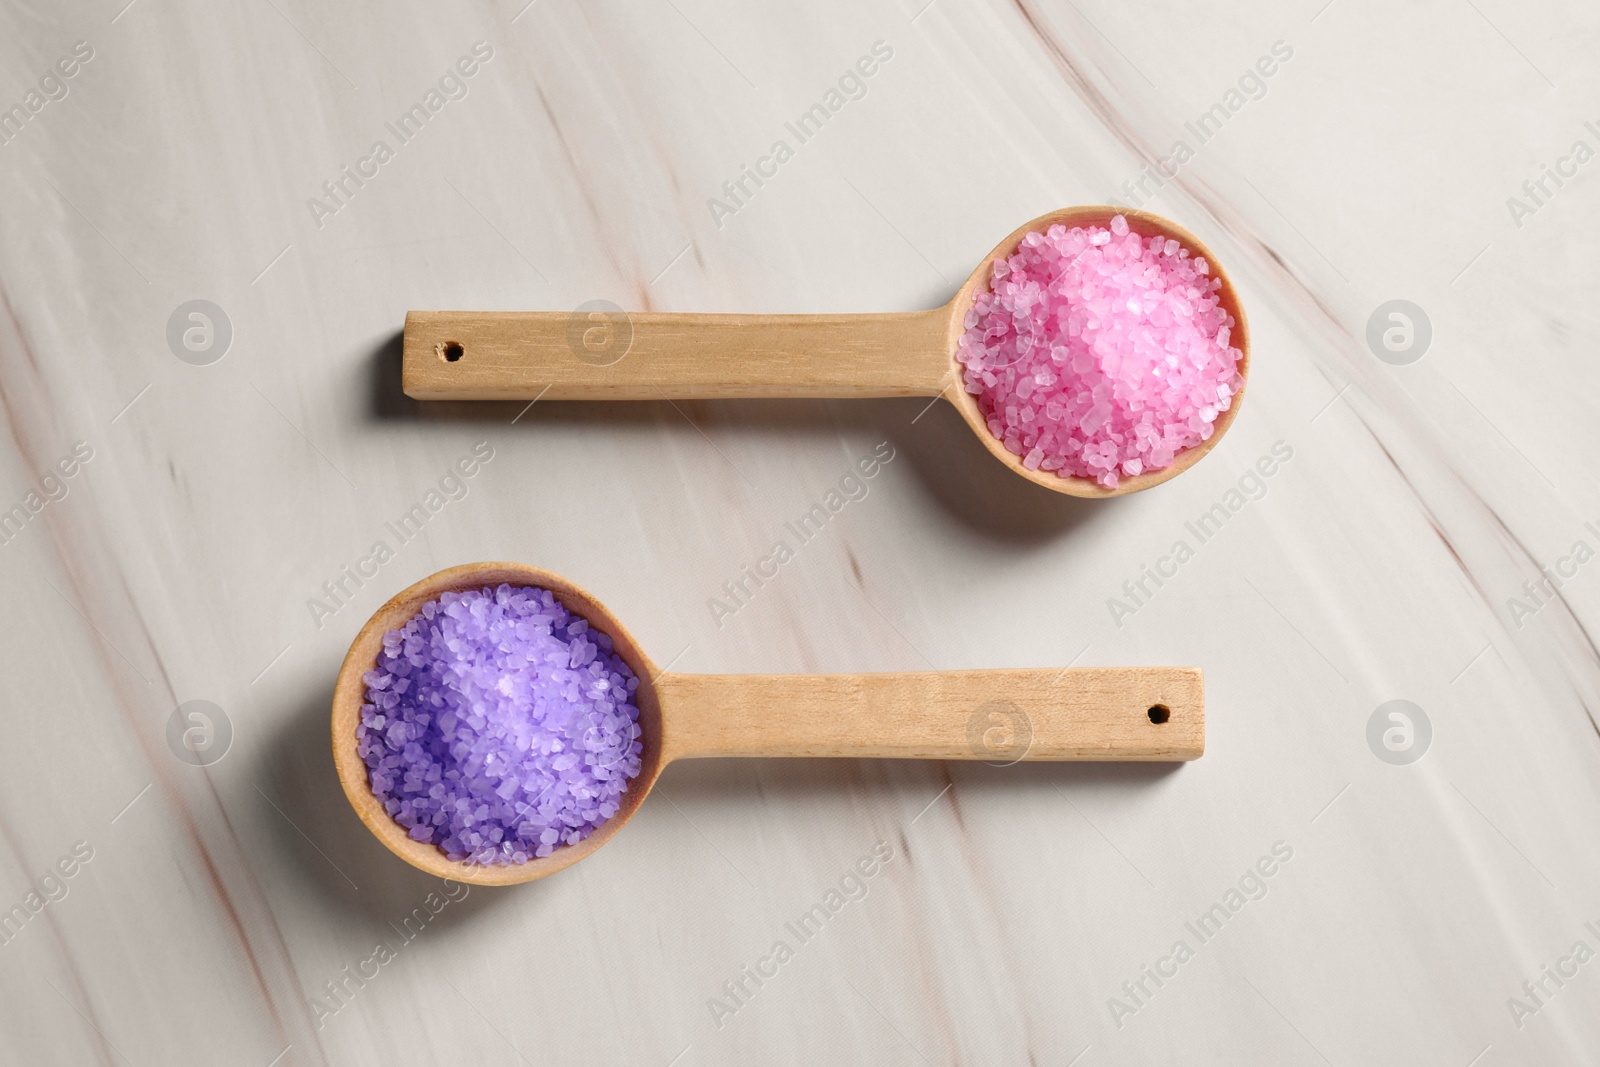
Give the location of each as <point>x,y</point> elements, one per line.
<point>1096,351</point>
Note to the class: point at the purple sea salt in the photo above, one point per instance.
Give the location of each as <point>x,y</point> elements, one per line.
<point>499,726</point>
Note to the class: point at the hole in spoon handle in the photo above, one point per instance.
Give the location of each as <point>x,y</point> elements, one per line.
<point>999,716</point>
<point>600,352</point>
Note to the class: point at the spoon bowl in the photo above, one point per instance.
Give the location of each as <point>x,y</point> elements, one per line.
<point>1144,224</point>
<point>350,693</point>
<point>600,352</point>
<point>1002,716</point>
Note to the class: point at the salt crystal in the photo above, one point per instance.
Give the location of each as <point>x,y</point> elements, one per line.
<point>1094,357</point>
<point>509,707</point>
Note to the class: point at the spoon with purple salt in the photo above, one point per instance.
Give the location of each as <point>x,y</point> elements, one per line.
<point>494,723</point>
<point>1095,351</point>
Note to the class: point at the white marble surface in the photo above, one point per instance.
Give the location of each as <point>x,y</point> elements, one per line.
<point>1378,565</point>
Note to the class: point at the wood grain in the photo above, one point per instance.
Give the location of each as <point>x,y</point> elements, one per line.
<point>1089,713</point>
<point>610,354</point>
<point>1002,716</point>
<point>651,356</point>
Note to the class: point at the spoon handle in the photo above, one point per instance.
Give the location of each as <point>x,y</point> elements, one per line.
<point>1001,716</point>
<point>616,355</point>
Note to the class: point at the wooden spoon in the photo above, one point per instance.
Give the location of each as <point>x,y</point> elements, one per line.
<point>609,354</point>
<point>1084,713</point>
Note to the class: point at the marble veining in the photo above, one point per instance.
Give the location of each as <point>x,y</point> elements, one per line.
<point>1385,855</point>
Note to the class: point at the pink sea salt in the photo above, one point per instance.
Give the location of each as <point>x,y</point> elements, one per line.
<point>1097,353</point>
<point>499,726</point>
